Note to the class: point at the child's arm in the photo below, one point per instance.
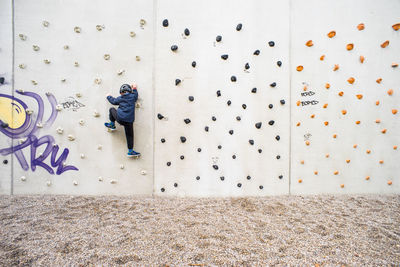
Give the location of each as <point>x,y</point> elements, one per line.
<point>114,101</point>
<point>135,93</point>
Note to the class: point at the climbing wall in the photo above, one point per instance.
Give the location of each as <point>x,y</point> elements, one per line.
<point>345,97</point>
<point>222,98</point>
<point>67,58</point>
<point>5,92</point>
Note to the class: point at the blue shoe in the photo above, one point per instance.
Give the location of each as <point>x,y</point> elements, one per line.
<point>133,153</point>
<point>110,125</point>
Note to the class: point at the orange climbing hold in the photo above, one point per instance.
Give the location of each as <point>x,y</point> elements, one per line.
<point>362,58</point>
<point>381,162</point>
<point>335,172</point>
<point>347,161</point>
<point>336,67</point>
<point>394,111</point>
<point>389,182</point>
<point>368,151</point>
<point>344,112</point>
<point>390,92</point>
<point>325,105</point>
<point>322,57</point>
<point>395,65</point>
<point>307,143</point>
<point>300,181</point>
<point>358,122</point>
<point>316,172</point>
<point>349,47</point>
<point>355,146</point>
<point>361,26</point>
<point>312,116</point>
<point>342,185</point>
<point>298,103</point>
<point>335,135</point>
<point>379,80</point>
<point>302,161</point>
<point>367,178</point>
<point>327,86</point>
<point>298,124</point>
<point>377,103</point>
<point>385,43</point>
<point>378,121</point>
<point>351,80</point>
<point>299,68</point>
<point>396,26</point>
<point>326,123</point>
<point>331,34</point>
<point>340,93</point>
<point>394,147</point>
<point>309,43</point>
<point>327,155</point>
<point>384,131</point>
<point>359,96</point>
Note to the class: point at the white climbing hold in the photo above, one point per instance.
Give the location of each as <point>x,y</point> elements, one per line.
<point>36,48</point>
<point>96,114</point>
<point>78,95</point>
<point>46,61</point>
<point>99,147</point>
<point>48,183</point>
<point>76,64</point>
<point>77,29</point>
<point>113,181</point>
<point>97,81</point>
<point>107,56</point>
<point>137,58</point>
<point>22,66</point>
<point>29,111</point>
<point>82,156</point>
<point>120,72</point>
<point>132,34</point>
<point>63,80</point>
<point>121,166</point>
<point>81,122</point>
<point>59,107</point>
<point>34,82</point>
<point>22,36</point>
<point>23,178</point>
<point>71,137</point>
<point>66,47</point>
<point>46,23</point>
<point>64,163</point>
<point>142,22</point>
<point>39,125</point>
<point>75,182</point>
<point>20,90</point>
<point>143,172</point>
<point>60,130</point>
<point>138,105</point>
<point>100,179</point>
<point>22,140</point>
<point>100,27</point>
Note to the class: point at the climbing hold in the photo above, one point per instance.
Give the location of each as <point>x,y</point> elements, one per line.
<point>142,22</point>
<point>256,53</point>
<point>76,64</point>
<point>22,36</point>
<point>162,140</point>
<point>234,156</point>
<point>331,34</point>
<point>63,80</point>
<point>60,130</point>
<point>362,58</point>
<point>132,34</point>
<point>336,67</point>
<point>247,66</point>
<point>390,92</point>
<point>251,142</point>
<point>271,43</point>
<point>160,116</point>
<point>100,27</point>
<point>187,121</point>
<point>340,93</point>
<point>229,102</point>
<point>244,106</point>
<point>277,138</point>
<point>349,47</point>
<point>298,124</point>
<point>191,98</point>
<point>78,95</point>
<point>271,122</point>
<point>77,29</point>
<point>368,151</point>
<point>66,47</point>
<point>273,84</point>
<point>300,181</point>
<point>2,80</point>
<point>36,48</point>
<point>350,80</point>
<point>307,143</point>
<point>239,27</point>
<point>322,57</point>
<point>218,38</point>
<point>394,111</point>
<point>279,63</point>
<point>23,178</point>
<point>174,47</point>
<point>162,190</point>
<point>309,43</point>
<point>395,65</point>
<point>177,81</point>
<point>385,44</point>
<point>183,139</point>
<point>34,82</point>
<point>182,157</point>
<point>48,183</point>
<point>280,176</point>
<point>58,107</point>
<point>238,118</point>
<point>194,64</point>
<point>383,131</point>
<point>175,185</point>
<point>396,26</point>
<point>165,23</point>
<point>325,105</point>
<point>82,156</point>
<point>222,178</point>
<point>46,23</point>
<point>121,166</point>
<point>233,78</point>
<point>213,118</point>
<point>143,172</point>
<point>224,57</point>
<point>71,137</point>
<point>219,146</point>
<point>358,122</point>
<point>187,32</point>
<point>75,182</point>
<point>169,163</point>
<point>46,61</point>
<point>230,132</point>
<point>218,93</point>
<point>282,101</point>
<point>278,156</point>
<point>97,81</point>
<point>258,125</point>
<point>259,150</point>
<point>113,181</point>
<point>81,122</point>
<point>361,26</point>
<point>379,80</point>
<point>377,121</point>
<point>197,178</point>
<point>96,113</point>
<point>389,182</point>
<point>254,90</point>
<point>215,167</point>
<point>335,172</point>
<point>299,68</point>
<point>334,136</point>
<point>106,56</point>
<point>359,96</point>
<point>5,161</point>
<point>239,185</point>
<point>377,103</point>
<point>381,162</point>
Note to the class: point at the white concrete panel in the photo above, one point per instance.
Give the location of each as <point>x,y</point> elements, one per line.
<point>87,48</point>
<point>262,21</point>
<point>6,56</point>
<point>313,20</point>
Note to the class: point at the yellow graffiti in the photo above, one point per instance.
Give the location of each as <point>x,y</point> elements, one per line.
<point>12,112</point>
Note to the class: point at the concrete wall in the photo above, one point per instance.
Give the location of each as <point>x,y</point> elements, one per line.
<point>69,95</point>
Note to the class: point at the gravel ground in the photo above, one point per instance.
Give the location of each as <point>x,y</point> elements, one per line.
<point>362,230</point>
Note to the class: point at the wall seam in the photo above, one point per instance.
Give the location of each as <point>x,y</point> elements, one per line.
<point>290,96</point>
<point>154,92</point>
<point>12,91</point>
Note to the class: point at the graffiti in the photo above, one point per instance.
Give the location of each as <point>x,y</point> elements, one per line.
<point>307,136</point>
<point>72,103</point>
<point>18,123</point>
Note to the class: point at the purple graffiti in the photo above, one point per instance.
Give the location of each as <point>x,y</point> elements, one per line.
<point>29,130</point>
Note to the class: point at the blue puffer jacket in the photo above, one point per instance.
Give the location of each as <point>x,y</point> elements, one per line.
<point>126,109</point>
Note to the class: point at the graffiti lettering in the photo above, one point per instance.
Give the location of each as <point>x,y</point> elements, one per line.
<point>72,103</point>
<point>312,102</point>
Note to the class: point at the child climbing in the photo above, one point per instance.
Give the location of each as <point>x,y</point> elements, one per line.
<point>125,114</point>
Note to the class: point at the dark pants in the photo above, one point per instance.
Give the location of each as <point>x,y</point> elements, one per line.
<point>127,125</point>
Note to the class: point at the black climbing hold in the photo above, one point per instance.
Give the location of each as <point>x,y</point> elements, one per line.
<point>174,47</point>
<point>224,57</point>
<point>270,106</point>
<point>239,185</point>
<point>218,93</point>
<point>239,27</point>
<point>273,84</point>
<point>248,177</point>
<point>247,66</point>
<point>175,185</point>
<point>258,125</point>
<point>183,139</point>
<point>206,128</point>
<point>271,43</point>
<point>244,106</point>
<point>194,64</point>
<point>222,178</point>
<point>277,138</point>
<point>159,116</point>
<point>256,53</point>
<point>219,146</point>
<point>215,167</point>
<point>230,132</point>
<point>279,63</point>
<point>162,190</point>
<point>187,32</point>
<point>197,177</point>
<point>234,156</point>
<point>182,157</point>
<point>282,101</point>
<point>177,81</point>
<point>280,176</point>
<point>165,23</point>
<point>251,142</point>
<point>199,149</point>
<point>271,122</point>
<point>260,150</point>
<point>278,156</point>
<point>162,140</point>
<point>187,121</point>
<point>5,161</point>
<point>218,38</point>
<point>213,118</point>
<point>229,102</point>
<point>2,80</point>
<point>168,163</point>
<point>4,124</point>
<point>261,187</point>
<point>191,98</point>
<point>254,90</point>
<point>238,118</point>
<point>233,78</point>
